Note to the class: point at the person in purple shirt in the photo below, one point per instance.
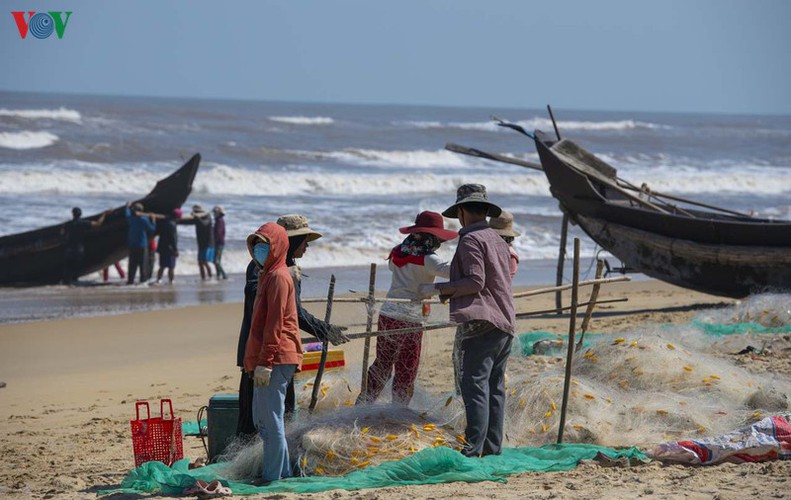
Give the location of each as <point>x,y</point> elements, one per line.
<point>219,240</point>
<point>481,301</point>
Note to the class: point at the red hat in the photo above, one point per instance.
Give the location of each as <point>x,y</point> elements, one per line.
<point>431,223</point>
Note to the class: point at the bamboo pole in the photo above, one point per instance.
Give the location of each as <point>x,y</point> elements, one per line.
<point>558,311</point>
<point>601,281</point>
<point>456,148</point>
<point>564,231</point>
<point>366,299</point>
<point>591,302</point>
<point>368,329</point>
<point>314,396</point>
<point>572,327</point>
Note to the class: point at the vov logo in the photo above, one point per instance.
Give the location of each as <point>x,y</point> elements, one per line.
<point>42,24</point>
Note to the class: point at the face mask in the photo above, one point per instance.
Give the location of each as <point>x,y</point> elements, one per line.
<point>260,253</point>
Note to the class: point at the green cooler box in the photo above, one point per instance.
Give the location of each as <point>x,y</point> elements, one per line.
<point>222,418</point>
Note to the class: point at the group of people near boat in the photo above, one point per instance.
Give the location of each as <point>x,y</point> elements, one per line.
<point>477,285</point>
<point>142,230</point>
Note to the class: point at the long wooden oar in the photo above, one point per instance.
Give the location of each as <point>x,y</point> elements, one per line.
<point>314,396</point>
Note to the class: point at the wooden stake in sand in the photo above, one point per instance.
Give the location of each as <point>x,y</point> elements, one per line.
<point>314,396</point>
<point>591,302</point>
<point>572,327</point>
<point>368,329</point>
<point>564,231</point>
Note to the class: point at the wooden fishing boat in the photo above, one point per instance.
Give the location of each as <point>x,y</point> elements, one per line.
<point>37,257</point>
<point>689,244</point>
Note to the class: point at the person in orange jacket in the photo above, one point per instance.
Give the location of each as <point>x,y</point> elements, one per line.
<point>274,351</point>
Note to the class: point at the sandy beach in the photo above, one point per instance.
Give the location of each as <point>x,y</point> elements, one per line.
<point>72,384</point>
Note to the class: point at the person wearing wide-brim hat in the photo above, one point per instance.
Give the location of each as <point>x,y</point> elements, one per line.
<point>414,264</point>
<point>504,226</point>
<point>481,301</point>
<point>300,234</point>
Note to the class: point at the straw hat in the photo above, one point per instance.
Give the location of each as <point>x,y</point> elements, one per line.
<point>296,225</point>
<point>431,223</point>
<point>471,193</point>
<point>504,224</point>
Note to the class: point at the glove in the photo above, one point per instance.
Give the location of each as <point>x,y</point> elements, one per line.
<point>427,290</point>
<point>261,376</point>
<point>335,335</point>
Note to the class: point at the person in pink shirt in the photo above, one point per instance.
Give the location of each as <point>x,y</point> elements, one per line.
<point>504,226</point>
<point>273,352</point>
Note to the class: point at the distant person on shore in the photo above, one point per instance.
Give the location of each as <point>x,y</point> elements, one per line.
<point>504,226</point>
<point>219,240</point>
<point>414,265</point>
<point>274,351</point>
<point>140,226</point>
<point>168,247</point>
<point>299,236</point>
<point>481,301</point>
<point>118,268</point>
<point>204,233</point>
<point>75,244</point>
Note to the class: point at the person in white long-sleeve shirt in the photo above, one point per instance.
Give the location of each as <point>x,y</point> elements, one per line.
<point>413,263</point>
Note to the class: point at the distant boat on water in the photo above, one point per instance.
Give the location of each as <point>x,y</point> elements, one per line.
<point>683,242</point>
<point>37,257</point>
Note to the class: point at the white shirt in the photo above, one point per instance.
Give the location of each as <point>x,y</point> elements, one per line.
<point>405,284</point>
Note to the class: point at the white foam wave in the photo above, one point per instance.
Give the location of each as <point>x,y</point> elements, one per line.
<point>303,120</point>
<point>382,158</point>
<point>63,114</point>
<point>539,123</point>
<point>79,178</point>
<point>222,179</point>
<point>27,139</point>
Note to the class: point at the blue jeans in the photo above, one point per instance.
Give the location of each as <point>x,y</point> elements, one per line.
<point>268,408</point>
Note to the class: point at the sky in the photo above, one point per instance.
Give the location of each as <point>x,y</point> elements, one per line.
<point>716,56</point>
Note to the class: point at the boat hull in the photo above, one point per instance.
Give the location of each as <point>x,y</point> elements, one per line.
<point>727,270</point>
<point>716,253</point>
<point>37,257</point>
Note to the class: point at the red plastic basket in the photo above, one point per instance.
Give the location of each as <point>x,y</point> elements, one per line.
<point>156,438</point>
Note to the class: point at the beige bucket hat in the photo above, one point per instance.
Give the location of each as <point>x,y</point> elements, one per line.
<point>504,224</point>
<point>296,225</point>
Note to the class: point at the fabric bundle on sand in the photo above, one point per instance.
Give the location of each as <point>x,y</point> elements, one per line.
<point>767,439</point>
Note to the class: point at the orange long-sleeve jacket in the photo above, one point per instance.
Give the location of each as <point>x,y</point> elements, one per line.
<point>274,331</point>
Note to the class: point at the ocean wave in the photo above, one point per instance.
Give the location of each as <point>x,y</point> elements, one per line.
<point>383,158</point>
<point>63,114</point>
<point>220,179</point>
<point>303,120</point>
<point>27,139</point>
<point>538,123</point>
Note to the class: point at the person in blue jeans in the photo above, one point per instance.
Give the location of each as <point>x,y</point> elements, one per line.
<point>273,351</point>
<point>140,227</point>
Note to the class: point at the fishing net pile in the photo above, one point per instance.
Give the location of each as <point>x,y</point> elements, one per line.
<point>641,387</point>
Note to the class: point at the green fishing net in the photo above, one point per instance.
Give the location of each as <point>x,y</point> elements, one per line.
<point>429,466</point>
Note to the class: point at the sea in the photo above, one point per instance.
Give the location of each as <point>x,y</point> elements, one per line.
<point>359,172</point>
